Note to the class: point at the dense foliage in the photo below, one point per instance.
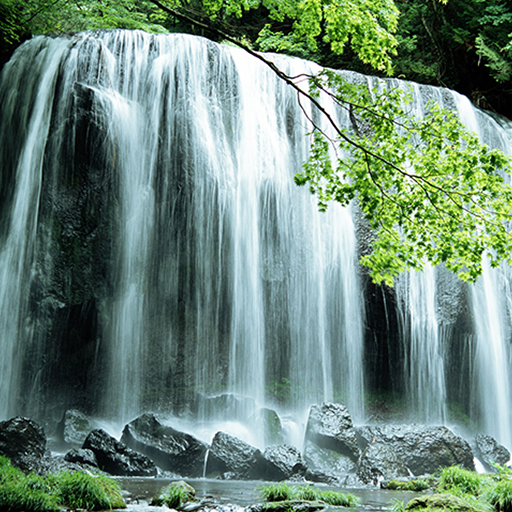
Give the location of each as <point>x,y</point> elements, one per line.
<point>428,188</point>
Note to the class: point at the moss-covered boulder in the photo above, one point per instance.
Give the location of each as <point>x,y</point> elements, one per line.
<point>174,495</point>
<point>443,503</point>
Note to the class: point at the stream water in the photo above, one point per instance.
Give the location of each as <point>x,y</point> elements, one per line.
<point>244,493</point>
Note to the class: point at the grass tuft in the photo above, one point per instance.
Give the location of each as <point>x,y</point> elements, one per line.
<point>459,481</point>
<point>34,493</point>
<point>284,492</point>
<point>89,492</point>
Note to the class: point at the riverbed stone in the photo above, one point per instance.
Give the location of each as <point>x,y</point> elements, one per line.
<point>170,449</point>
<point>423,449</point>
<point>490,452</point>
<point>116,458</point>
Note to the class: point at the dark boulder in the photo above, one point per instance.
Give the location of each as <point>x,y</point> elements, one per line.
<point>81,456</point>
<point>116,458</point>
<point>330,447</point>
<point>268,422</point>
<point>380,462</point>
<point>231,457</point>
<point>283,462</point>
<point>490,452</point>
<point>170,449</point>
<point>326,465</point>
<point>330,427</point>
<point>73,428</point>
<point>21,437</point>
<point>423,449</point>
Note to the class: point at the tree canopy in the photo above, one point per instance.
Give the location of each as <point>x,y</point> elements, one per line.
<point>428,188</point>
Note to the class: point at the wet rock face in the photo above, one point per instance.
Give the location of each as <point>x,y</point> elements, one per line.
<point>330,449</point>
<point>116,458</point>
<point>231,457</point>
<point>380,462</point>
<point>423,449</point>
<point>82,457</point>
<point>74,427</point>
<point>490,452</point>
<point>330,427</point>
<point>283,462</point>
<point>21,437</point>
<point>170,449</point>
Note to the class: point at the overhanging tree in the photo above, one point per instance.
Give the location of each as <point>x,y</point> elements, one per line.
<point>428,188</point>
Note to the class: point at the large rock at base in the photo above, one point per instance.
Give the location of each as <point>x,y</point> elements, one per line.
<point>231,457</point>
<point>269,423</point>
<point>423,449</point>
<point>330,427</point>
<point>82,457</point>
<point>331,450</point>
<point>283,462</point>
<point>74,428</point>
<point>490,452</point>
<point>21,437</point>
<point>326,465</point>
<point>380,462</point>
<point>116,458</point>
<point>170,449</point>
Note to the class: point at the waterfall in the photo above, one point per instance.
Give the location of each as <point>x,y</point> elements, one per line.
<point>491,306</point>
<point>155,253</point>
<point>219,274</point>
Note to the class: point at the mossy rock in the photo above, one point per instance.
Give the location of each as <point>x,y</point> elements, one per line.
<point>441,502</point>
<point>174,495</point>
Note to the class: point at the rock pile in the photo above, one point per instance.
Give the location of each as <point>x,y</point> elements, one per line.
<point>335,451</point>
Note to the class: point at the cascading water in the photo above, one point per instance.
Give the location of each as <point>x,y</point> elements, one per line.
<point>490,302</point>
<point>221,275</point>
<point>156,254</point>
